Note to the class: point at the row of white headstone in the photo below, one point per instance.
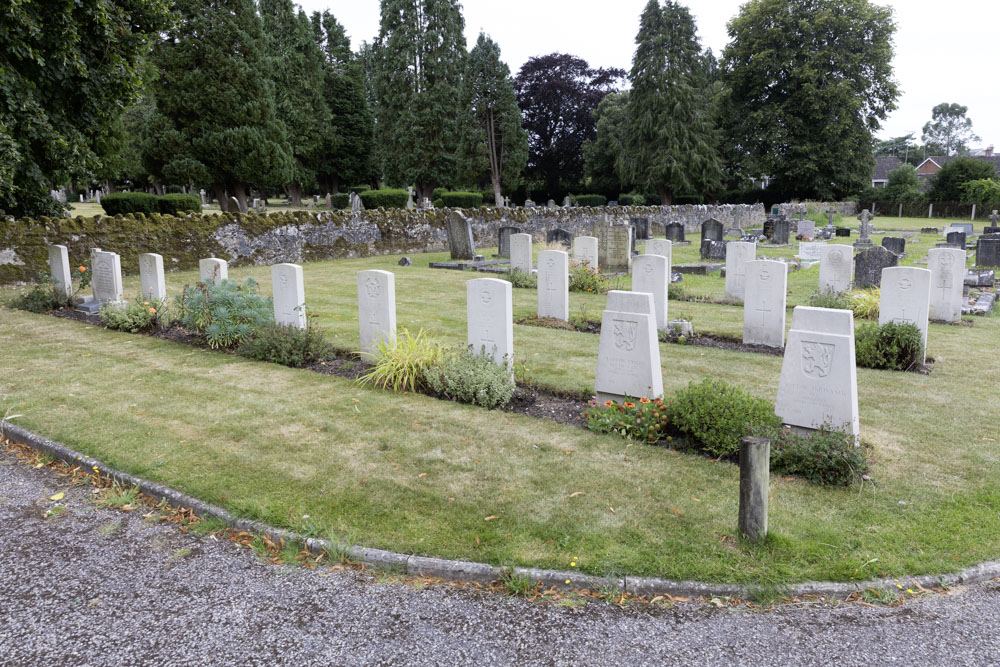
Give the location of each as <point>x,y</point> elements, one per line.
<point>584,252</point>
<point>106,280</point>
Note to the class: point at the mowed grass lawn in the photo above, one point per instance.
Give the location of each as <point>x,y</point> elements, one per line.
<point>419,475</point>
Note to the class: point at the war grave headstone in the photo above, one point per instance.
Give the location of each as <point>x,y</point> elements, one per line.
<point>868,266</point>
<point>807,229</point>
<point>764,303</point>
<point>520,252</point>
<point>59,270</point>
<point>947,267</point>
<point>835,265</point>
<point>818,384</point>
<point>629,302</point>
<point>865,230</point>
<point>894,244</point>
<point>738,253</point>
<point>628,354</point>
<point>660,247</point>
<point>460,242</point>
<point>553,284</point>
<point>490,319</point>
<point>503,240</point>
<point>376,308</point>
<point>585,250</point>
<point>651,274</point>
<point>674,231</point>
<point>288,290</point>
<point>905,298</point>
<point>559,236</point>
<point>988,252</point>
<point>994,226</point>
<point>641,226</point>
<point>712,230</point>
<point>154,286</point>
<point>213,270</point>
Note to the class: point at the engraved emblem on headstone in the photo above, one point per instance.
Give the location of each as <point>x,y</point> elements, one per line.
<point>905,283</point>
<point>283,278</point>
<point>485,296</point>
<point>373,288</point>
<point>626,332</point>
<point>836,256</point>
<point>817,359</point>
<point>765,275</point>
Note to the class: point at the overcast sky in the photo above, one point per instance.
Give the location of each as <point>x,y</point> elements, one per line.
<point>945,50</point>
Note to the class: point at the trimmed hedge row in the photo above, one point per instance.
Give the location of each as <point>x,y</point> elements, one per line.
<point>384,198</point>
<point>589,200</point>
<point>462,199</point>
<point>124,203</point>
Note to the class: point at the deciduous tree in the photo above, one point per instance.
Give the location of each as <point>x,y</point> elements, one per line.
<point>949,130</point>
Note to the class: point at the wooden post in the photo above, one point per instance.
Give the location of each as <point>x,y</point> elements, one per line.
<point>930,210</point>
<point>755,475</point>
<point>900,210</point>
<point>973,211</point>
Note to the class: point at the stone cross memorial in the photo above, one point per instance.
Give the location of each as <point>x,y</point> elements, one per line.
<point>764,303</point>
<point>520,253</point>
<point>835,265</point>
<point>994,226</point>
<point>905,298</point>
<point>865,229</point>
<point>289,293</point>
<point>651,274</point>
<point>674,231</point>
<point>460,241</point>
<point>376,308</point>
<point>59,270</point>
<point>947,266</point>
<point>213,270</point>
<point>868,265</point>
<point>553,284</point>
<point>738,253</point>
<point>819,384</point>
<point>107,278</point>
<point>154,286</point>
<point>503,240</point>
<point>585,250</point>
<point>660,247</point>
<point>490,322</point>
<point>628,355</point>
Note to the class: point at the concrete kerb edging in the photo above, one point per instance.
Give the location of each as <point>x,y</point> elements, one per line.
<point>453,570</point>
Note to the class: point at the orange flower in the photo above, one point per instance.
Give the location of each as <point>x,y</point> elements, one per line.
<point>83,269</point>
<point>644,400</point>
<point>152,311</point>
<point>145,303</point>
<point>629,405</point>
<point>609,403</point>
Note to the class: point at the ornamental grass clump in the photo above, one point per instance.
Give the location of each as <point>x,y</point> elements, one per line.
<point>644,420</point>
<point>865,303</point>
<point>227,313</point>
<point>469,378</point>
<point>400,362</point>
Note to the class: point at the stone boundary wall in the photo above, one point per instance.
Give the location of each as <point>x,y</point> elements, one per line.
<point>302,236</point>
<point>845,208</point>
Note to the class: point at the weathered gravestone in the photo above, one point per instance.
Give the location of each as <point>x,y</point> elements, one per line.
<point>843,232</point>
<point>966,227</point>
<point>553,284</point>
<point>835,264</point>
<point>615,248</point>
<point>865,230</point>
<point>818,384</point>
<point>503,240</point>
<point>713,249</point>
<point>894,244</point>
<point>829,216</point>
<point>107,277</point>
<point>764,303</point>
<point>641,227</point>
<point>980,277</point>
<point>712,230</point>
<point>769,227</point>
<point>585,250</point>
<point>955,239</point>
<point>460,242</point>
<point>213,270</point>
<point>288,290</point>
<point>811,251</point>
<point>490,319</point>
<point>779,235</point>
<point>660,247</point>
<point>807,229</point>
<point>520,252</point>
<point>674,232</point>
<point>994,226</point>
<point>154,286</point>
<point>868,266</point>
<point>628,355</point>
<point>59,270</point>
<point>559,236</point>
<point>905,298</point>
<point>947,267</point>
<point>738,253</point>
<point>551,204</point>
<point>651,274</point>
<point>988,252</point>
<point>376,309</point>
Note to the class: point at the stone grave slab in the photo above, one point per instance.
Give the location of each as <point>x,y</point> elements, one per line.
<point>503,240</point>
<point>628,358</point>
<point>955,238</point>
<point>617,249</point>
<point>738,253</point>
<point>988,252</point>
<point>780,232</point>
<point>966,227</point>
<point>106,280</point>
<point>490,319</point>
<point>520,252</point>
<point>905,298</point>
<point>289,296</point>
<point>894,244</point>
<point>585,250</point>
<point>713,249</point>
<point>559,236</point>
<point>835,265</point>
<point>869,263</point>
<point>376,308</point>
<point>553,284</point>
<point>630,302</point>
<point>764,303</point>
<point>651,274</point>
<point>674,231</point>
<point>980,277</point>
<point>460,242</point>
<point>983,305</point>
<point>213,270</point>
<point>59,270</point>
<point>712,230</point>
<point>154,286</point>
<point>641,227</point>
<point>828,320</point>
<point>947,266</point>
<point>807,228</point>
<point>811,251</point>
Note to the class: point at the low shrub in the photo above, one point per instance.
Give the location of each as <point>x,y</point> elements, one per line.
<point>400,363</point>
<point>357,188</point>
<point>287,345</point>
<point>134,316</point>
<point>891,346</point>
<point>437,192</point>
<point>462,199</point>
<point>522,279</point>
<point>341,200</point>
<point>631,200</point>
<point>438,203</point>
<point>123,203</point>
<point>469,378</point>
<point>175,204</point>
<point>865,303</point>
<point>384,198</point>
<point>715,415</point>
<point>643,420</point>
<point>830,300</point>
<point>41,298</point>
<point>582,278</point>
<point>676,291</point>
<point>826,456</point>
<point>589,200</point>
<point>227,313</point>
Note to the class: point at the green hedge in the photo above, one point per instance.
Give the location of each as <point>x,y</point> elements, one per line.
<point>631,200</point>
<point>462,199</point>
<point>384,198</point>
<point>341,200</point>
<point>589,200</point>
<point>123,203</point>
<point>174,204</point>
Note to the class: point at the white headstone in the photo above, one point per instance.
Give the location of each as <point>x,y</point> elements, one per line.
<point>490,323</point>
<point>520,252</point>
<point>827,320</point>
<point>811,250</point>
<point>585,250</point>
<point>651,274</point>
<point>807,228</point>
<point>947,266</point>
<point>289,293</point>
<point>376,308</point>
<point>630,302</point>
<point>628,356</point>
<point>154,287</point>
<point>764,303</point>
<point>553,284</point>
<point>59,269</point>
<point>905,299</point>
<point>662,247</point>
<point>738,253</point>
<point>107,278</point>
<point>213,270</point>
<point>835,265</point>
<point>818,384</point>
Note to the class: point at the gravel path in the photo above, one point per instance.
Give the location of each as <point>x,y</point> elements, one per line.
<point>99,586</point>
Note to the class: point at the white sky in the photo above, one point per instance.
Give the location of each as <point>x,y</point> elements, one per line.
<point>945,51</point>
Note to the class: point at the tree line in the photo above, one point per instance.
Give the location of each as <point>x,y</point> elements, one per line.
<point>241,96</point>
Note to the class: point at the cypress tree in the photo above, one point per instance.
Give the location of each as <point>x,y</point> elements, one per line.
<point>493,141</point>
<point>672,137</point>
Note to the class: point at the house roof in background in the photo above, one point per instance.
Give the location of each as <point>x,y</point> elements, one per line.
<point>883,165</point>
<point>942,160</point>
